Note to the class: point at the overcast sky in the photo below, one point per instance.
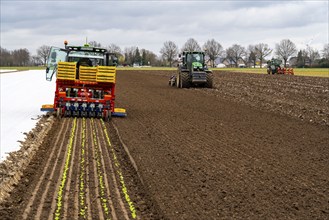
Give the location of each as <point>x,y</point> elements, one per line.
<point>148,24</point>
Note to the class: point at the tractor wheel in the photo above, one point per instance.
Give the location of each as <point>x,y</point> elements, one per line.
<point>172,82</point>
<point>185,80</point>
<point>107,115</point>
<point>209,78</point>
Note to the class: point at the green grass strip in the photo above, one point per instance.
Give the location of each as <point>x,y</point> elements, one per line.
<point>66,168</point>
<point>119,172</point>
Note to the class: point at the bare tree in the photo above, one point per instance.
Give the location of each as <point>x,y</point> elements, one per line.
<point>21,57</point>
<point>236,53</point>
<point>285,49</point>
<point>313,54</point>
<point>262,50</point>
<point>5,57</point>
<point>213,49</point>
<point>325,52</point>
<point>251,52</point>
<point>169,51</point>
<point>42,53</point>
<point>130,55</point>
<point>36,60</point>
<point>113,48</point>
<point>191,45</point>
<point>94,44</point>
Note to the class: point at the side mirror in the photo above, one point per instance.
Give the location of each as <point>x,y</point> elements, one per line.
<point>47,69</point>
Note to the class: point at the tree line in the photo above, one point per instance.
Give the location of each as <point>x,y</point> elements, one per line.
<point>234,56</point>
<point>250,56</point>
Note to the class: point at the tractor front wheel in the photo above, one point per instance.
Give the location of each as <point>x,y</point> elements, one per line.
<point>107,115</point>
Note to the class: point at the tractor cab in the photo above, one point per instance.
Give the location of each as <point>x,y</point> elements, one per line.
<point>81,55</point>
<point>193,60</point>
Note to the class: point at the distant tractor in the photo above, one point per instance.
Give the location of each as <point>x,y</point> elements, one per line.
<point>192,71</point>
<point>274,67</point>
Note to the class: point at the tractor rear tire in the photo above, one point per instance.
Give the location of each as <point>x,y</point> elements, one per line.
<point>209,77</point>
<point>185,80</point>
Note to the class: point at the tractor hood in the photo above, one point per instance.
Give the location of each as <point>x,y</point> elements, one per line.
<point>197,65</point>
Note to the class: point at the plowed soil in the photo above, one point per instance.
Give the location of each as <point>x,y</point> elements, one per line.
<point>253,147</point>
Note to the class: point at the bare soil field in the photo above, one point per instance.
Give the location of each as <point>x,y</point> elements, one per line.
<point>253,147</point>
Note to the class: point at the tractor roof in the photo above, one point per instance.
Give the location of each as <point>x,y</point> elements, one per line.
<point>193,52</point>
<point>87,49</point>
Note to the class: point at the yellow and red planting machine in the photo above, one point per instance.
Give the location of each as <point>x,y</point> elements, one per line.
<point>85,82</point>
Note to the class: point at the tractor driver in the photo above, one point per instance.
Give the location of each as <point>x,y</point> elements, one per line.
<point>83,62</point>
<point>196,57</point>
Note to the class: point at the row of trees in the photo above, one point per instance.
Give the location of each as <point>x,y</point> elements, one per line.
<point>234,55</point>
<point>22,57</point>
<point>249,56</point>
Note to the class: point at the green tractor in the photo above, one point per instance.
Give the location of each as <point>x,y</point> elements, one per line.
<point>192,71</point>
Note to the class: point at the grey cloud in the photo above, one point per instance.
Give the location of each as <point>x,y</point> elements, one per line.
<point>150,23</point>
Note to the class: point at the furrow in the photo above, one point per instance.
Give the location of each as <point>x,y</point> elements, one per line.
<point>95,205</point>
<point>106,168</point>
<point>88,165</point>
<point>120,175</point>
<point>43,180</point>
<point>81,186</point>
<point>111,179</point>
<point>70,198</point>
<point>64,168</point>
